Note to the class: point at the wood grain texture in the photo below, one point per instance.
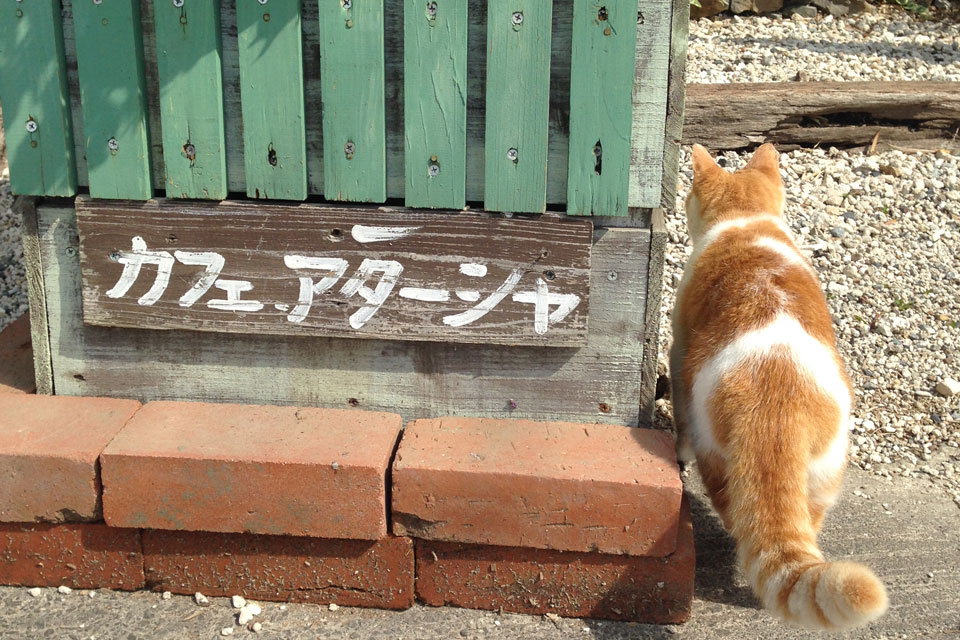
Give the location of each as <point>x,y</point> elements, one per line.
<point>191,98</point>
<point>599,382</point>
<point>271,96</point>
<point>435,103</point>
<point>352,76</point>
<point>323,270</point>
<point>650,102</point>
<point>36,294</point>
<point>602,68</point>
<point>113,98</point>
<point>676,99</point>
<point>907,115</point>
<point>36,106</point>
<point>393,15</point>
<point>518,105</point>
<point>651,315</point>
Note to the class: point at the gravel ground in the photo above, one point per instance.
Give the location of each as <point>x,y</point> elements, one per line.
<point>886,45</point>
<point>13,280</point>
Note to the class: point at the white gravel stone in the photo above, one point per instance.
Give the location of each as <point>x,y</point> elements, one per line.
<point>257,627</point>
<point>65,590</point>
<point>226,631</point>
<point>35,592</point>
<point>889,44</point>
<point>166,595</point>
<point>201,599</point>
<point>248,612</point>
<point>333,606</point>
<point>237,602</point>
<point>948,387</point>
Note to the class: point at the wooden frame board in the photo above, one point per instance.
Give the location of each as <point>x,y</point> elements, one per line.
<point>598,382</point>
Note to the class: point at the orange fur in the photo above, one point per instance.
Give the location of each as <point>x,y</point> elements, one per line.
<point>760,394</point>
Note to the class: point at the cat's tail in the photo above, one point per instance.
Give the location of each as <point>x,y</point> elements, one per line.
<point>777,548</point>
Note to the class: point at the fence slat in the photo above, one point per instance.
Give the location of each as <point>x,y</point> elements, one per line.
<point>518,105</point>
<point>271,95</point>
<point>36,105</point>
<point>435,104</point>
<point>191,98</point>
<point>650,102</point>
<point>351,76</point>
<point>113,96</point>
<point>601,110</point>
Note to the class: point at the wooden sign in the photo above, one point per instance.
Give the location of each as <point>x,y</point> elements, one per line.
<point>246,267</point>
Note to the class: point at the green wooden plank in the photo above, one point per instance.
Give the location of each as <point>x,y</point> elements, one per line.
<point>650,102</point>
<point>36,105</point>
<point>191,98</point>
<point>601,106</point>
<point>113,97</point>
<point>271,97</point>
<point>351,76</point>
<point>518,105</point>
<point>435,104</point>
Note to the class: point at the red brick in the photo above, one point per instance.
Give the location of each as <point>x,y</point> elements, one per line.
<point>250,469</point>
<point>49,447</point>
<point>353,573</point>
<point>81,556</point>
<point>16,357</point>
<point>538,581</point>
<point>545,485</point>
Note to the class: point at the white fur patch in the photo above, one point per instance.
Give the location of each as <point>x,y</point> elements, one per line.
<point>824,469</point>
<point>784,334</point>
<point>788,252</point>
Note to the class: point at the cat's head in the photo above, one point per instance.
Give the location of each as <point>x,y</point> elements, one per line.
<point>717,193</point>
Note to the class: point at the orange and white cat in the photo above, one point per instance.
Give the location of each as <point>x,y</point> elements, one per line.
<point>761,396</point>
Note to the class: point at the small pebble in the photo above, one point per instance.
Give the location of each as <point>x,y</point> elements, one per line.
<point>35,592</point>
<point>166,595</point>
<point>226,631</point>
<point>948,387</point>
<point>237,602</point>
<point>201,599</point>
<point>333,606</point>
<point>64,589</point>
<point>257,627</point>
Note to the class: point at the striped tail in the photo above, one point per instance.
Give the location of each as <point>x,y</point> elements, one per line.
<point>777,547</point>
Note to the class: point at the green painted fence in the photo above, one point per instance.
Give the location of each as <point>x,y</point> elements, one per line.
<point>36,106</point>
<point>519,106</point>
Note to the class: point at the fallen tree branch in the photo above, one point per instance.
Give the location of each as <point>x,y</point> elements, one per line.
<point>895,115</point>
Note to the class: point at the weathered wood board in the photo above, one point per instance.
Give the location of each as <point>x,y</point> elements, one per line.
<point>598,382</point>
<point>243,267</point>
<point>649,100</point>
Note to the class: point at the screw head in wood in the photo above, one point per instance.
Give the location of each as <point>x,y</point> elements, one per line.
<point>431,10</point>
<point>97,1</point>
<point>112,144</point>
<point>263,1</point>
<point>346,4</point>
<point>190,151</point>
<point>177,3</point>
<point>31,126</point>
<point>512,154</point>
<point>349,149</point>
<point>517,18</point>
<point>433,169</point>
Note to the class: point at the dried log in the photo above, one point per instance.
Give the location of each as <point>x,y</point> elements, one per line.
<point>907,115</point>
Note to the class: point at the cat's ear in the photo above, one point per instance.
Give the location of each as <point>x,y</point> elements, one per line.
<point>765,159</point>
<point>703,163</point>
